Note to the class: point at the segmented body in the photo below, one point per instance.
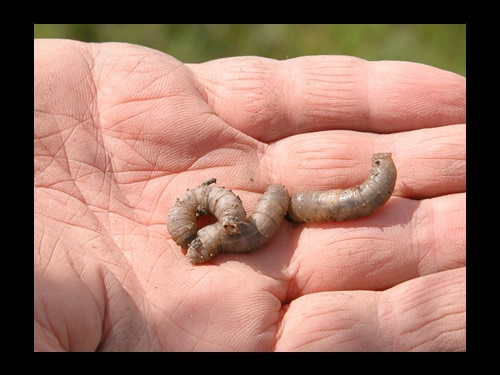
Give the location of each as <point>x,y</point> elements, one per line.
<point>347,204</point>
<point>207,198</point>
<point>233,234</point>
<point>254,233</point>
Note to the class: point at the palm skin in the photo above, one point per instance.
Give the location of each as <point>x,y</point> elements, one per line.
<point>121,131</point>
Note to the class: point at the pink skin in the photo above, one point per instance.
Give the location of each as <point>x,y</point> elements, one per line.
<point>122,130</point>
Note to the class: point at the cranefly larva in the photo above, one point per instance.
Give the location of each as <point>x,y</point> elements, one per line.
<point>352,203</point>
<point>207,198</point>
<point>254,233</point>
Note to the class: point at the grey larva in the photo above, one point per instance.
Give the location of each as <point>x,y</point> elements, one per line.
<point>254,233</point>
<point>232,234</point>
<point>207,198</point>
<point>352,203</point>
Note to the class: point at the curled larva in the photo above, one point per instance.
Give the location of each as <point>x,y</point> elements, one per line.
<point>254,233</point>
<point>352,203</point>
<point>207,198</point>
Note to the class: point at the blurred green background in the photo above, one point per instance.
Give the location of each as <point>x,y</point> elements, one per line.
<point>442,46</point>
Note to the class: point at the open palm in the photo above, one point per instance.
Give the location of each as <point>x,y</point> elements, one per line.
<point>121,131</point>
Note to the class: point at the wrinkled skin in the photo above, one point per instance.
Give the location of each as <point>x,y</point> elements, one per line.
<point>122,130</point>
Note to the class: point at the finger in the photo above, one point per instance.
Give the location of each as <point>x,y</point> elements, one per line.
<point>269,99</point>
<point>429,162</point>
<point>424,314</point>
<point>404,240</point>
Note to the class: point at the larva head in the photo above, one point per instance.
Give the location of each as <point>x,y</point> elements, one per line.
<point>381,157</point>
<point>206,245</point>
<point>197,253</point>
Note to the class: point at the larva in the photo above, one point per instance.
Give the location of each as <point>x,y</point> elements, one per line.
<point>254,233</point>
<point>220,202</point>
<point>352,203</point>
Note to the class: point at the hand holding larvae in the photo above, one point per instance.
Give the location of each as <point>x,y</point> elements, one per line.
<point>233,234</point>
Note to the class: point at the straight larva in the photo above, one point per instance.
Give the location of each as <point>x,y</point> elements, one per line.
<point>254,233</point>
<point>352,203</point>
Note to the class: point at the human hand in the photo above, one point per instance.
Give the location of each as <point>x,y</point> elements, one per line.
<point>121,131</point>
